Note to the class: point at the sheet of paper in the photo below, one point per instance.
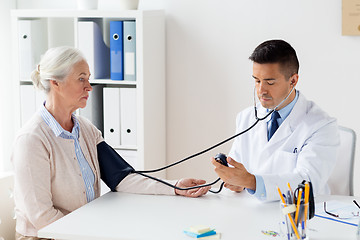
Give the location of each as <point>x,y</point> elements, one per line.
<point>348,212</point>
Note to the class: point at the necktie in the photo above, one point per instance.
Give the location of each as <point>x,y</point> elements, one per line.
<point>273,124</point>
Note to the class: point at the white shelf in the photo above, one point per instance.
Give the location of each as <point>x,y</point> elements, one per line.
<point>69,13</point>
<point>96,81</point>
<point>125,147</point>
<point>61,29</point>
<point>113,82</point>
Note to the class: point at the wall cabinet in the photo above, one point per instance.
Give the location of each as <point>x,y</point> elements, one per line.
<point>142,99</point>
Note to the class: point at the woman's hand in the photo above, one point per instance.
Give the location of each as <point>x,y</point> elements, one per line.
<point>189,182</point>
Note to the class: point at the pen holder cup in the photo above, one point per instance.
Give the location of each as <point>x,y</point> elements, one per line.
<point>294,221</point>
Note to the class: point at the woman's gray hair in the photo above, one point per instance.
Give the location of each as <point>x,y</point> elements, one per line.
<point>56,64</point>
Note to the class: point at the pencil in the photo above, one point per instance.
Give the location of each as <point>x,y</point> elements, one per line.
<point>307,191</point>
<point>291,219</point>
<point>290,189</point>
<point>298,206</point>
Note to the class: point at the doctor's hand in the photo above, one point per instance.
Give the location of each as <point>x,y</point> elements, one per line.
<point>189,182</point>
<point>236,178</point>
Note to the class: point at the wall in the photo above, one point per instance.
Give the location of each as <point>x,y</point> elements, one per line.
<point>6,89</point>
<point>209,76</point>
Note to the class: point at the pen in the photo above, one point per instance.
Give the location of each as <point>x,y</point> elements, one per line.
<point>291,219</point>
<point>289,197</point>
<point>303,229</point>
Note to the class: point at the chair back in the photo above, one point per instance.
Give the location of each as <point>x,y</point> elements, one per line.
<point>7,212</point>
<point>341,180</point>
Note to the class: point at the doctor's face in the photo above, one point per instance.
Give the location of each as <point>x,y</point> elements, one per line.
<point>272,86</point>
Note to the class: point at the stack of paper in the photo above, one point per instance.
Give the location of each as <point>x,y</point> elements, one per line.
<point>202,232</point>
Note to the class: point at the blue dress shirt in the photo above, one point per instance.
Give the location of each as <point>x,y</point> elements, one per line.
<point>86,171</point>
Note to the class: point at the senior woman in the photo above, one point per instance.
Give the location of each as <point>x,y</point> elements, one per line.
<point>55,154</point>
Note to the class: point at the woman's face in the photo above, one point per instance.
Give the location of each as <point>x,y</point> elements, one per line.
<point>74,90</point>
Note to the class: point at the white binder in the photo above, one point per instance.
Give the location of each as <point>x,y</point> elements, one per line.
<point>130,156</point>
<point>40,98</point>
<point>129,50</point>
<point>112,116</point>
<point>28,102</point>
<point>128,116</point>
<point>94,107</point>
<point>92,45</point>
<point>32,44</point>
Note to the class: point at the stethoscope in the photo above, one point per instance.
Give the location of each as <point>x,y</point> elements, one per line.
<point>143,173</point>
<point>272,110</point>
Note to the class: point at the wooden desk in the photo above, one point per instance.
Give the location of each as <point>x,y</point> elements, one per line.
<point>132,216</point>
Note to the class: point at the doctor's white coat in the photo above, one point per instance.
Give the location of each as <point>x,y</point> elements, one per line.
<point>303,147</point>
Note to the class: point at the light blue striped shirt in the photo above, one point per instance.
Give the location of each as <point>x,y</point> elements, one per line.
<point>86,172</point>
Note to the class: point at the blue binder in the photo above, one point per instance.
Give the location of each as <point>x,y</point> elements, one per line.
<point>129,50</point>
<point>116,50</point>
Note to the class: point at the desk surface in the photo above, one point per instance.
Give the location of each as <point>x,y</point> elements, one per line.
<point>132,216</point>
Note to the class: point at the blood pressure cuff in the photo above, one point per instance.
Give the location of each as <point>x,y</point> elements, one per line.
<point>113,168</point>
<point>311,201</point>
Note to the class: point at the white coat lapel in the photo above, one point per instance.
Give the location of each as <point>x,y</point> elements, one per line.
<point>282,132</point>
<point>262,131</point>
<point>260,141</point>
<point>290,123</point>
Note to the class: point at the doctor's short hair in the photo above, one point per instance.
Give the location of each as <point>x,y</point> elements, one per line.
<point>277,51</point>
<point>55,64</point>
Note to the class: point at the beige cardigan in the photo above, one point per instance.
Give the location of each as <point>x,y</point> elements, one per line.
<point>48,181</point>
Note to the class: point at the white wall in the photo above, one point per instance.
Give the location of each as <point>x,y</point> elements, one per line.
<point>6,89</point>
<point>209,76</point>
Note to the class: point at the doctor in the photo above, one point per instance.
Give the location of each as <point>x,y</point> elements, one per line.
<point>297,141</point>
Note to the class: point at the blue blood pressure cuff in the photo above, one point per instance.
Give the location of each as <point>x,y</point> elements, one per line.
<point>113,168</point>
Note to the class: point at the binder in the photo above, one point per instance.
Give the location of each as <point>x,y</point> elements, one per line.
<point>32,43</point>
<point>112,116</point>
<point>129,50</point>
<point>94,107</point>
<point>28,103</point>
<point>116,50</point>
<point>128,116</point>
<point>92,45</point>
